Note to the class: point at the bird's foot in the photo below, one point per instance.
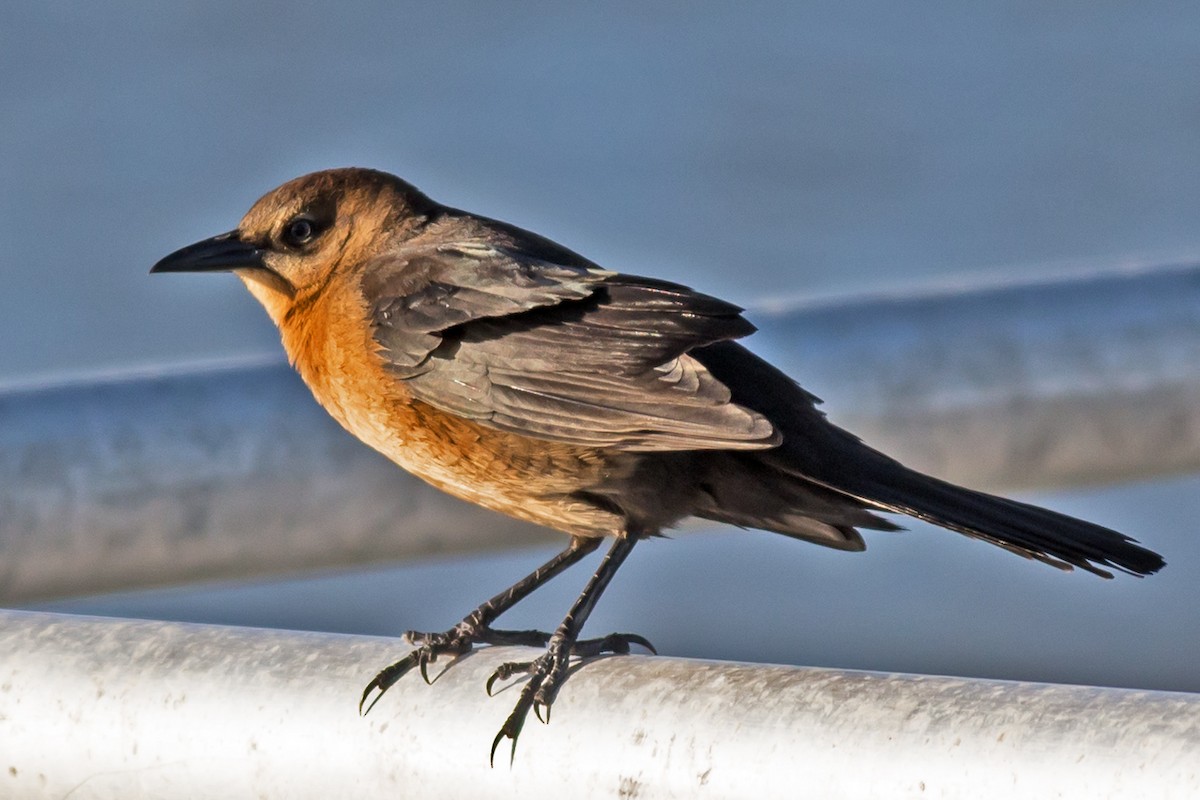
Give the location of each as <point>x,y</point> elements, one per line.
<point>455,642</point>
<point>547,673</point>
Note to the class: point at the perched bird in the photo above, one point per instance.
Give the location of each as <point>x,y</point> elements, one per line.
<point>512,372</point>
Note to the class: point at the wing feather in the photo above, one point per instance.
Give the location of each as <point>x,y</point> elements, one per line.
<point>559,349</point>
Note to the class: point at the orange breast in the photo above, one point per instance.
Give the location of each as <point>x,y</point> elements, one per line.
<point>330,342</point>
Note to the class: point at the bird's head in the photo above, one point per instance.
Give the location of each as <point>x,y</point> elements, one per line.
<point>296,237</point>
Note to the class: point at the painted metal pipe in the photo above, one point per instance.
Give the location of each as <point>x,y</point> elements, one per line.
<point>222,472</point>
<point>1059,382</point>
<point>103,708</point>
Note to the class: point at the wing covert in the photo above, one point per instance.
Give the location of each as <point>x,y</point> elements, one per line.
<point>568,353</point>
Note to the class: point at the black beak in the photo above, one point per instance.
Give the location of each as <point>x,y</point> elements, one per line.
<point>218,254</point>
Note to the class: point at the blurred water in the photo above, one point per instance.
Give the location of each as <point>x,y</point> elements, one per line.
<point>753,152</point>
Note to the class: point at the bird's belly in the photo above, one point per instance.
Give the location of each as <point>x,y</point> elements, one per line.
<point>524,478</point>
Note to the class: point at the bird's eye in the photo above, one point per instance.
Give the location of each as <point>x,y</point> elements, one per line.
<point>299,231</point>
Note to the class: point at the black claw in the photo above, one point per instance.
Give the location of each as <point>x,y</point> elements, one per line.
<point>633,638</point>
<point>506,671</point>
<point>377,683</point>
<point>511,729</point>
<point>424,660</point>
<point>516,720</point>
<point>361,713</point>
<point>363,699</point>
<point>434,643</point>
<point>616,643</point>
<point>496,743</point>
<point>384,680</point>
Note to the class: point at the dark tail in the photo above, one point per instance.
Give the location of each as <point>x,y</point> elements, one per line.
<point>814,451</point>
<point>1025,529</point>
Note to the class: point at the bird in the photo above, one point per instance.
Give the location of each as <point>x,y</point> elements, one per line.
<point>512,372</point>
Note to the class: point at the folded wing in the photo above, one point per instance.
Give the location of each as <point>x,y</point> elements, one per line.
<point>565,352</point>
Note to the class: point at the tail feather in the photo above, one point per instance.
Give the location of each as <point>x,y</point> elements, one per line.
<point>814,451</point>
<point>1028,530</point>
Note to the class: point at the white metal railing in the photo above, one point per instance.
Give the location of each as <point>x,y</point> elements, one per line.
<point>103,708</point>
<point>159,478</point>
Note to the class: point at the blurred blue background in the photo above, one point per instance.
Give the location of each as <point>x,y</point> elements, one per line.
<point>757,152</point>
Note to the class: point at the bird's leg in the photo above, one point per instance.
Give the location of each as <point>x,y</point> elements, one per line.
<point>548,671</point>
<point>475,627</point>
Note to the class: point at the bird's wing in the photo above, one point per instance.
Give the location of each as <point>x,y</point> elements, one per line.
<point>559,351</point>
